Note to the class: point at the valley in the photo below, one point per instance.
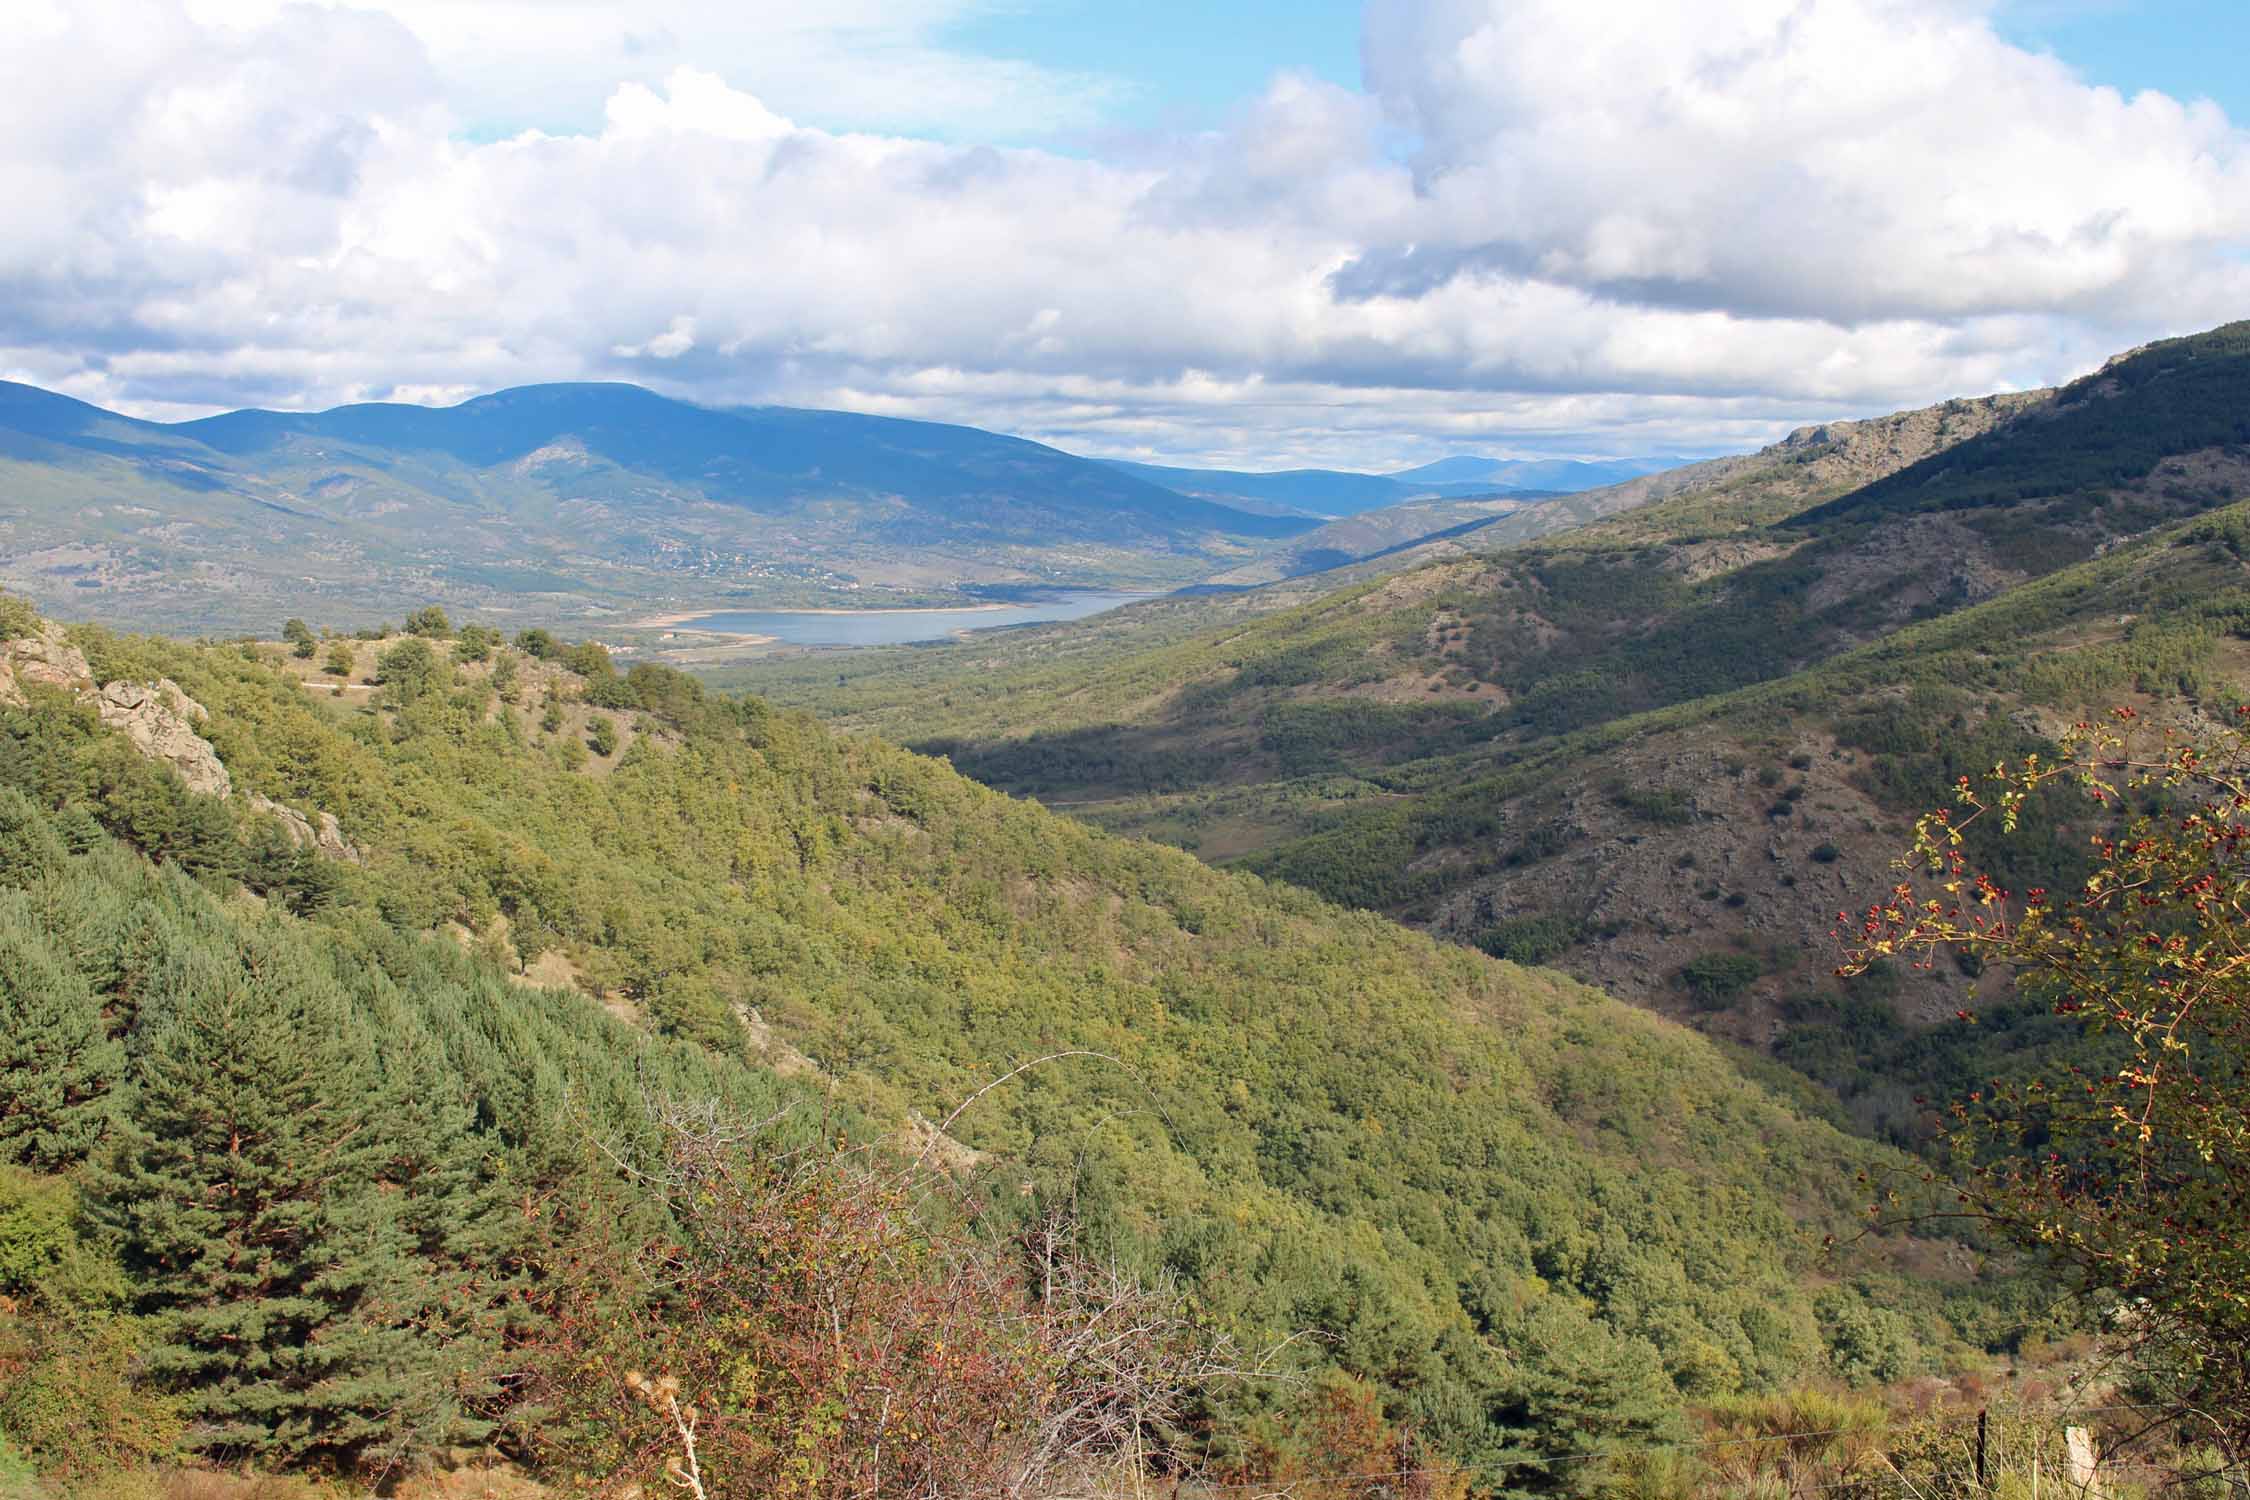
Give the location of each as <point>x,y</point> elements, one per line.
<point>1479,1047</point>
<point>1684,734</point>
<point>942,750</point>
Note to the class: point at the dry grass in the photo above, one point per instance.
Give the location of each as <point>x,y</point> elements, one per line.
<point>469,1480</point>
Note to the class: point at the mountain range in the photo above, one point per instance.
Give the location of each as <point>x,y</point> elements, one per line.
<point>565,499</point>
<point>598,501</point>
<point>1342,492</point>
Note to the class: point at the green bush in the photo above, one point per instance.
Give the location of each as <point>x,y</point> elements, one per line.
<point>37,1228</point>
<point>1715,978</point>
<point>17,618</point>
<point>1666,805</point>
<point>408,671</point>
<point>589,659</point>
<point>1530,940</point>
<point>75,1409</point>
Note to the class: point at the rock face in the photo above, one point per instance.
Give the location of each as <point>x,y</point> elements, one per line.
<point>159,718</point>
<point>322,834</point>
<point>42,660</point>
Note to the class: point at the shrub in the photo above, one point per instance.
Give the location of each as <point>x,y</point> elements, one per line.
<point>1000,1366</point>
<point>601,736</point>
<point>17,618</point>
<point>339,662</point>
<point>1666,805</point>
<point>74,1408</point>
<point>1715,978</point>
<point>35,1229</point>
<point>1826,854</point>
<point>1530,940</point>
<point>612,692</point>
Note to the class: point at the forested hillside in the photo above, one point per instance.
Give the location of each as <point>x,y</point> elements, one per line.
<point>1662,751</point>
<point>1529,1216</point>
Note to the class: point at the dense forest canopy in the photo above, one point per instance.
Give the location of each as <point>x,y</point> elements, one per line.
<point>1486,1191</point>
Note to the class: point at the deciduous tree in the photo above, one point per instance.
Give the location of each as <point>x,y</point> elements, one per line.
<point>2132,1178</point>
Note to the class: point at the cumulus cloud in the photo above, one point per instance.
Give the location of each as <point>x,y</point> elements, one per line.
<point>1544,225</point>
<point>1842,159</point>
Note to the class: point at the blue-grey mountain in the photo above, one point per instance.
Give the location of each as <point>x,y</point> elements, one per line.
<point>567,499</point>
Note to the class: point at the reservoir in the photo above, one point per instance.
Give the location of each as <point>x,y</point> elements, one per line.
<point>893,627</point>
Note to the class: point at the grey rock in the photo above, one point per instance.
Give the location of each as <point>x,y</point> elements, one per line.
<point>45,660</point>
<point>159,719</point>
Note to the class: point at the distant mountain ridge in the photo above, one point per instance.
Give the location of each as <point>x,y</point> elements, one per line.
<point>763,457</point>
<point>1315,492</point>
<point>1564,475</point>
<point>591,497</point>
<point>1338,493</point>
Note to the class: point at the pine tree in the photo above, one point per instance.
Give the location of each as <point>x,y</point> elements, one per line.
<point>272,1266</point>
<point>449,1189</point>
<point>1579,1387</point>
<point>30,845</point>
<point>57,1061</point>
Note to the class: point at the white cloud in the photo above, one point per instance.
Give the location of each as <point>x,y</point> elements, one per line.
<point>1615,227</point>
<point>677,339</point>
<point>1842,159</point>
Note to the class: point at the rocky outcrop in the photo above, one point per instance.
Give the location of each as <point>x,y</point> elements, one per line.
<point>42,660</point>
<point>322,834</point>
<point>159,719</point>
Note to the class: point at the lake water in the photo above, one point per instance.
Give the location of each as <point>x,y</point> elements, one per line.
<point>894,627</point>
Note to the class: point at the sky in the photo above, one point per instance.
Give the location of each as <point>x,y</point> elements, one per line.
<point>1256,233</point>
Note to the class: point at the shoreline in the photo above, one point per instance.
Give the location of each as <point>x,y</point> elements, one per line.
<point>688,617</point>
<point>674,623</point>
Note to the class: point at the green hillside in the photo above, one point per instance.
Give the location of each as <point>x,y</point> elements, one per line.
<point>1530,1215</point>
